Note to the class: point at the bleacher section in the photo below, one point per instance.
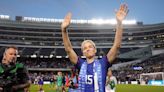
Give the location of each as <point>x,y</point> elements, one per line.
<point>43,38</point>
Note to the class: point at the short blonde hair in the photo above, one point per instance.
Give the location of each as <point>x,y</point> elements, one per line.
<point>85,41</point>
<point>110,69</point>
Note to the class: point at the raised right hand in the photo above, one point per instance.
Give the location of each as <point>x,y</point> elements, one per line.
<point>66,21</point>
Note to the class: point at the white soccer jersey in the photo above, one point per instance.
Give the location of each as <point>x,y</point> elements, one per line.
<point>111,84</point>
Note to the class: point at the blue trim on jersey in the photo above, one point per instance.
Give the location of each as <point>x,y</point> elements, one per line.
<point>89,87</point>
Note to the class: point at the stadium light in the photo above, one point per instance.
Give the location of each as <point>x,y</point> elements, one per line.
<point>18,55</point>
<point>41,56</point>
<point>58,56</point>
<point>4,17</point>
<point>33,56</point>
<point>66,56</point>
<point>46,56</point>
<point>100,56</point>
<point>83,56</point>
<point>111,21</point>
<point>129,22</point>
<point>80,21</point>
<point>51,55</point>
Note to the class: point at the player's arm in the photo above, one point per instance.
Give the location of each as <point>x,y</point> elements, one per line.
<point>67,44</point>
<point>120,15</point>
<point>107,81</point>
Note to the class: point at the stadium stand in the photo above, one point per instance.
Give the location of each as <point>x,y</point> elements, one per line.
<point>41,48</point>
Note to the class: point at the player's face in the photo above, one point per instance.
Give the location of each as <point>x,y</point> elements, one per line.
<point>11,55</point>
<point>60,73</point>
<point>109,73</point>
<point>88,50</point>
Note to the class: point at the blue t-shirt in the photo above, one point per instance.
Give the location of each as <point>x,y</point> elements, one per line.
<point>89,85</point>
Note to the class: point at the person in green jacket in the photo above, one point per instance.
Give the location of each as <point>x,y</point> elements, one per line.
<point>13,75</point>
<point>59,82</point>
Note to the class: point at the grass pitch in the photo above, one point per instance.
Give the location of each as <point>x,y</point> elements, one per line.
<point>119,88</point>
<point>139,88</point>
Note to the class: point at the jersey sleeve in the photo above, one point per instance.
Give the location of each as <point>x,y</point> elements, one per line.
<point>79,63</point>
<point>105,63</point>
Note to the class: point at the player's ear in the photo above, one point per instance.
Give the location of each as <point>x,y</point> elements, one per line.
<point>95,50</point>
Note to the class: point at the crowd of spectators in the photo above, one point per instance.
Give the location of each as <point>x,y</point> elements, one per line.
<point>46,63</point>
<point>128,73</point>
<point>151,65</point>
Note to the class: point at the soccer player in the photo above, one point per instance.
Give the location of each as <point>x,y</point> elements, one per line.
<point>40,82</point>
<point>59,82</point>
<point>52,80</point>
<point>111,82</point>
<point>92,76</point>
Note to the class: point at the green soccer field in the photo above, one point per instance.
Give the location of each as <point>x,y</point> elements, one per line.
<point>46,87</point>
<point>139,88</point>
<point>119,88</point>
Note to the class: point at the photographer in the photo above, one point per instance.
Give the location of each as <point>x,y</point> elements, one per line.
<point>13,76</point>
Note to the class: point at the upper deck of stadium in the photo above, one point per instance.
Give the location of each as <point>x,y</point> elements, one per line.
<point>39,35</point>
